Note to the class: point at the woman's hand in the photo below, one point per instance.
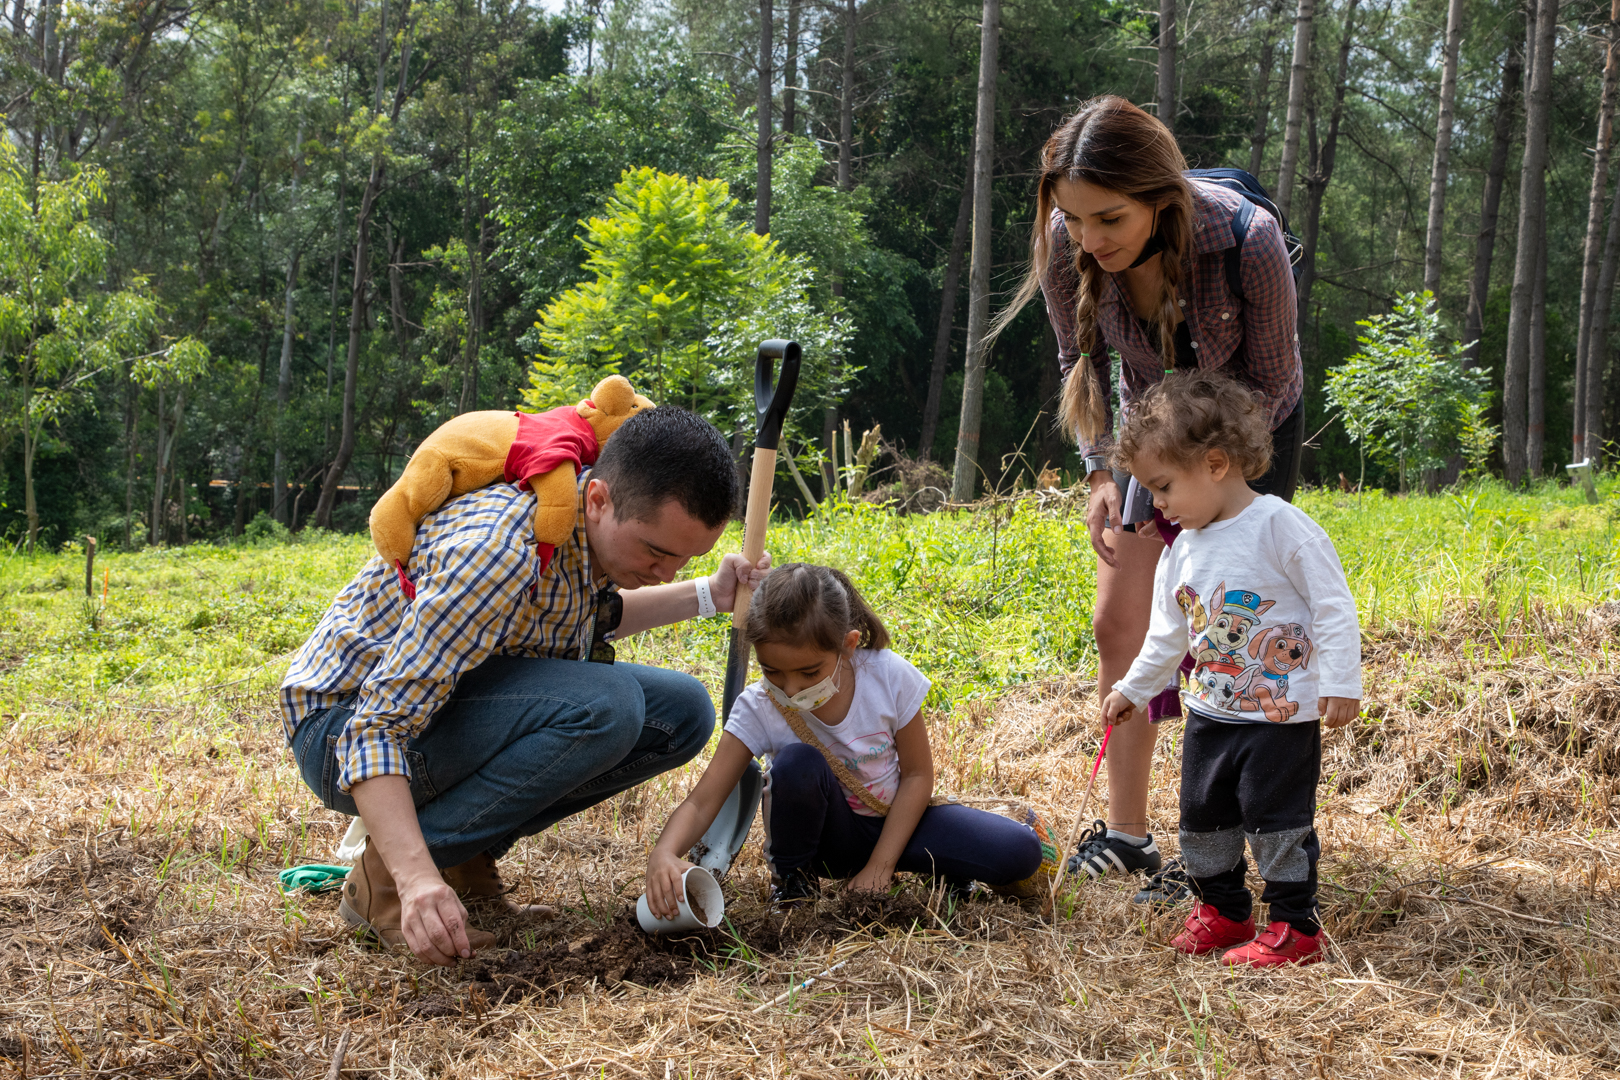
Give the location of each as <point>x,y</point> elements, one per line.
<point>733,569</point>
<point>1104,511</point>
<point>1117,708</point>
<point>871,879</point>
<point>664,883</point>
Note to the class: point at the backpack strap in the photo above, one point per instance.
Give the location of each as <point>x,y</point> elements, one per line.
<point>1234,254</point>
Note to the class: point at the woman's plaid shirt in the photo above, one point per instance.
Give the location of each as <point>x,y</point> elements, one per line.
<point>479,593</point>
<point>1256,338</point>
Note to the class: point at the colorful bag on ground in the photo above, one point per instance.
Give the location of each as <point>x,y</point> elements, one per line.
<point>1035,892</point>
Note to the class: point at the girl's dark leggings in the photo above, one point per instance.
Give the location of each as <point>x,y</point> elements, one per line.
<point>810,827</point>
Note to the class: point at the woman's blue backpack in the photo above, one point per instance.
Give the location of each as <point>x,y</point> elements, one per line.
<point>1254,193</point>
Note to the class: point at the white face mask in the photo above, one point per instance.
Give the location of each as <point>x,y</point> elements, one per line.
<point>810,698</point>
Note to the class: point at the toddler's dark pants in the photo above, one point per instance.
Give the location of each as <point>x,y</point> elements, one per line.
<point>1258,781</point>
<point>811,827</point>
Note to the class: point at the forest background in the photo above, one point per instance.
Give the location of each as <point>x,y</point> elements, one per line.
<point>285,239</point>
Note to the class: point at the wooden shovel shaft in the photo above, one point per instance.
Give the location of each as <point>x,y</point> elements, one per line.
<point>755,521</point>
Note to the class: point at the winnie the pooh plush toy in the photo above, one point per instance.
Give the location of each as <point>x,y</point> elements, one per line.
<point>540,452</point>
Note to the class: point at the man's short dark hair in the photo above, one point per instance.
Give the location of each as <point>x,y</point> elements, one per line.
<point>668,453</point>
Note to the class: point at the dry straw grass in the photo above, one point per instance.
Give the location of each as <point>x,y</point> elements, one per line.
<point>1468,887</point>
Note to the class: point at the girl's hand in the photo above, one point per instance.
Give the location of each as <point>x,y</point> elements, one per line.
<point>1338,711</point>
<point>1117,708</point>
<point>664,883</point>
<point>1103,511</point>
<point>733,569</point>
<point>871,879</point>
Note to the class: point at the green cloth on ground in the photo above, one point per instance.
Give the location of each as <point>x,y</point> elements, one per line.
<point>313,877</point>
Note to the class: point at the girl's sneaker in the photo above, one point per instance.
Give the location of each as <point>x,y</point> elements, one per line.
<point>1280,944</point>
<point>1097,854</point>
<point>1208,930</point>
<point>795,887</point>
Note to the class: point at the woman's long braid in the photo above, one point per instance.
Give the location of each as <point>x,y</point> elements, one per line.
<point>1083,406</point>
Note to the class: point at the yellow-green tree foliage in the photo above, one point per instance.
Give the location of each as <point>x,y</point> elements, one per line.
<point>681,296</point>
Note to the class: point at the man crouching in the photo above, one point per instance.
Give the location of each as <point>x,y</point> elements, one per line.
<point>489,707</point>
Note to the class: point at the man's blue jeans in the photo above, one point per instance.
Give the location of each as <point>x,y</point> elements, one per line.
<point>523,743</point>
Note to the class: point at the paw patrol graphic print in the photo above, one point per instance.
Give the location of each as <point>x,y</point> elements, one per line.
<point>1239,665</point>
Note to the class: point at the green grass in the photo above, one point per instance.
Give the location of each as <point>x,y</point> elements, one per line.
<point>980,602</point>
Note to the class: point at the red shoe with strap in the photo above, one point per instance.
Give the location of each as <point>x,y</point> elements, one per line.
<point>1208,930</point>
<point>1280,944</point>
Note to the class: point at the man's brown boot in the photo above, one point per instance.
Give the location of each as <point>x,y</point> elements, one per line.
<point>478,882</point>
<point>371,900</point>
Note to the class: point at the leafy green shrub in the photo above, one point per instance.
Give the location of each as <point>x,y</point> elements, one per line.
<point>1405,401</point>
<point>264,529</point>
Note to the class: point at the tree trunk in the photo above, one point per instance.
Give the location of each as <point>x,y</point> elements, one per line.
<point>1597,347</point>
<point>1297,77</point>
<point>846,104</point>
<point>284,392</point>
<point>947,316</point>
<point>1479,286</point>
<point>475,311</point>
<point>368,201</point>
<point>160,458</point>
<point>1262,91</point>
<point>30,509</point>
<point>964,477</point>
<point>1594,224</point>
<point>1442,151</point>
<point>130,431</point>
<point>1536,397</point>
<point>790,70</point>
<point>1166,98</point>
<point>762,145</point>
<point>1532,224</point>
<point>1321,167</point>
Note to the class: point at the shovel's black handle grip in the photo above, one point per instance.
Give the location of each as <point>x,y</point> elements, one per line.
<point>771,400</point>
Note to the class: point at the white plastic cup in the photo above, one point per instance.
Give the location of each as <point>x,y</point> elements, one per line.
<point>696,884</point>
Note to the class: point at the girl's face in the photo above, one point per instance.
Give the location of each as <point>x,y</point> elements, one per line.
<point>1191,496</point>
<point>794,668</point>
<point>1111,227</point>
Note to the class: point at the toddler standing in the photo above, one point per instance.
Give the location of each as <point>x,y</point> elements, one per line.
<point>1253,589</point>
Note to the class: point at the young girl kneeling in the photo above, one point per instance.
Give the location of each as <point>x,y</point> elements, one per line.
<point>1253,589</point>
<point>828,671</point>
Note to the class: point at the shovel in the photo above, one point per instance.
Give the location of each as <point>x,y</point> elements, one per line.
<point>719,846</point>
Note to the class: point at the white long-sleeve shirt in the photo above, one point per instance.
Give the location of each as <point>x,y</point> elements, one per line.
<point>1261,603</point>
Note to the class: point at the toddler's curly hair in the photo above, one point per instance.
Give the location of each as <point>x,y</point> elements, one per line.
<point>1190,413</point>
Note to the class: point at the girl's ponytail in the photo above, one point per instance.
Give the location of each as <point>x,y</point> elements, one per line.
<point>806,604</point>
<point>874,635</point>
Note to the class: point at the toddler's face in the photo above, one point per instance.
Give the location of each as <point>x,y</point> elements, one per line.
<point>1191,497</point>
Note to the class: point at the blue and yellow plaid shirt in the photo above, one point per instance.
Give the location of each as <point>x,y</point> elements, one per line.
<point>479,593</point>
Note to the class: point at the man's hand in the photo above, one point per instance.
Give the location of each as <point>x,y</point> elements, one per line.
<point>871,879</point>
<point>664,883</point>
<point>1104,511</point>
<point>434,922</point>
<point>733,569</point>
<point>1338,711</point>
<point>1117,708</point>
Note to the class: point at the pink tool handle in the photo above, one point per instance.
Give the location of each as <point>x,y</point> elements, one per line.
<point>1101,750</point>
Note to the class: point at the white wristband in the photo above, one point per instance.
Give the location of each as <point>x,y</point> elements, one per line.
<point>705,600</point>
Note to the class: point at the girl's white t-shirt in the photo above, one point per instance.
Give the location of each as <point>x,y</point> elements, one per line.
<point>888,693</point>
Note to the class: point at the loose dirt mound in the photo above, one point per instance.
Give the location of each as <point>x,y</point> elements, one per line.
<point>623,952</point>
